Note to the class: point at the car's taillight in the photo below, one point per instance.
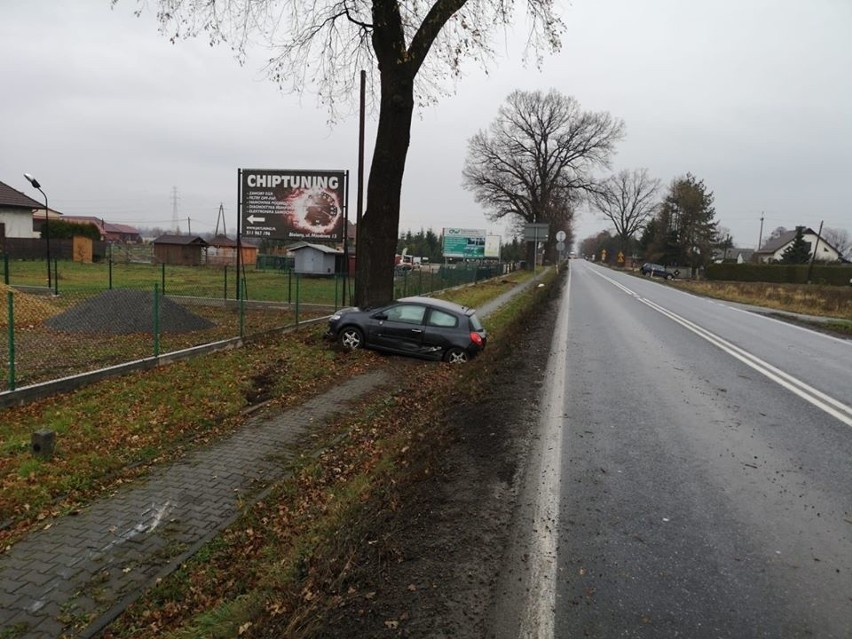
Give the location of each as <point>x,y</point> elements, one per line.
<point>476,338</point>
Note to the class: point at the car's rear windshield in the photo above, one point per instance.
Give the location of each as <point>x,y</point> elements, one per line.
<point>475,323</point>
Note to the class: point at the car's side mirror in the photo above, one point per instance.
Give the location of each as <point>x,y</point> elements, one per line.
<point>380,316</point>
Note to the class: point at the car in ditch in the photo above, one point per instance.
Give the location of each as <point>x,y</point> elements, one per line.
<point>657,270</point>
<point>423,327</point>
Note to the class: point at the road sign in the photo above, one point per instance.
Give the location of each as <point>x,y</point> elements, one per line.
<point>536,232</point>
<point>560,236</point>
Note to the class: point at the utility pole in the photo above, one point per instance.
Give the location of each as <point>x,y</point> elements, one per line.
<point>175,223</point>
<point>188,227</point>
<point>816,246</point>
<point>760,237</point>
<point>221,217</point>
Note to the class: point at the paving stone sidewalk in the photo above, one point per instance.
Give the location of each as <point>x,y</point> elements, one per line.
<point>102,559</point>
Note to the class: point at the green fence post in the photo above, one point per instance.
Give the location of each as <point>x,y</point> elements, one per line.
<point>242,315</point>
<point>297,298</point>
<point>156,320</point>
<point>11,307</point>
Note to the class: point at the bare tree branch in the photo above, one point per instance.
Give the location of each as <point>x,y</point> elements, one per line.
<point>627,199</point>
<point>537,158</point>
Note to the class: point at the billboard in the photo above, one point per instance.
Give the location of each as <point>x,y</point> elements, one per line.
<point>492,246</point>
<point>464,243</point>
<point>292,205</point>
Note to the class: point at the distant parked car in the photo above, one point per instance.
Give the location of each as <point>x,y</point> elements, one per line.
<point>416,326</point>
<point>657,270</point>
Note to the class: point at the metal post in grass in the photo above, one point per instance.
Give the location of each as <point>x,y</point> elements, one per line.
<point>156,322</point>
<point>37,186</point>
<point>11,324</point>
<point>55,276</point>
<point>110,265</point>
<point>297,298</point>
<point>242,313</point>
<point>163,276</point>
<point>289,285</point>
<point>226,282</point>
<point>6,269</point>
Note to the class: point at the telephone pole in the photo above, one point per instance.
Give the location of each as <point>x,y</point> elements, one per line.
<point>175,223</point>
<point>760,237</point>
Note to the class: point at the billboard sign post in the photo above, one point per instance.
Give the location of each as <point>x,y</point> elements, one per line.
<point>292,205</point>
<point>536,232</point>
<point>464,243</point>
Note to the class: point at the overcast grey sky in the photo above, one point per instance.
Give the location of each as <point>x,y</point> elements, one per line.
<point>752,96</point>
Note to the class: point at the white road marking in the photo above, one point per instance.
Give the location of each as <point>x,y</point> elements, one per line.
<point>824,402</point>
<point>537,621</point>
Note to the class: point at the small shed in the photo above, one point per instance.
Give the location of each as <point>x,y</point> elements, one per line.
<point>222,251</point>
<point>316,259</point>
<point>180,250</point>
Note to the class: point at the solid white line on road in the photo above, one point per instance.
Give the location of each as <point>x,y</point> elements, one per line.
<point>824,402</point>
<point>537,621</point>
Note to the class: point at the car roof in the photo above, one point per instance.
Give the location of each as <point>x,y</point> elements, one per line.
<point>438,303</point>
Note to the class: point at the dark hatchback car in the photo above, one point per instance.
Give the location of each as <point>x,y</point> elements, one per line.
<point>417,326</point>
<point>656,270</point>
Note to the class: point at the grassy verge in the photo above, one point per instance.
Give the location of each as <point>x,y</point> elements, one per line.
<point>825,301</point>
<point>111,432</point>
<point>286,562</point>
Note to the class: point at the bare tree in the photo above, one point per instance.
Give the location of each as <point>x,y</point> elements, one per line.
<point>412,46</point>
<point>536,160</point>
<point>628,200</point>
<point>839,239</point>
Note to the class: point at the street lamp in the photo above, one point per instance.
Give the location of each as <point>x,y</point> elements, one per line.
<point>36,185</point>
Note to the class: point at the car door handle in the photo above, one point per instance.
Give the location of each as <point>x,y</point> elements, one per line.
<point>416,330</point>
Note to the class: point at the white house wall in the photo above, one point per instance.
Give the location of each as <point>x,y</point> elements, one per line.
<point>18,224</point>
<point>825,253</point>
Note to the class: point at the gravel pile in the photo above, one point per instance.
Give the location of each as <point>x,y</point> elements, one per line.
<point>125,311</point>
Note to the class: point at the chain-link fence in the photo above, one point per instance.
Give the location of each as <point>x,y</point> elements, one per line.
<point>420,281</point>
<point>96,315</point>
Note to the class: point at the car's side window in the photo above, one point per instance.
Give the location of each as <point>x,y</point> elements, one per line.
<point>442,319</point>
<point>409,313</point>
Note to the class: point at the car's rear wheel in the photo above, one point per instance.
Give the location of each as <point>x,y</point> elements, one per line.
<point>669,276</point>
<point>456,355</point>
<point>350,338</point>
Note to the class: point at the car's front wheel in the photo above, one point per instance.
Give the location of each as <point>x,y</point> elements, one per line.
<point>456,356</point>
<point>350,338</point>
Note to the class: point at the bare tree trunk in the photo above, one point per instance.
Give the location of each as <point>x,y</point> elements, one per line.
<point>377,237</point>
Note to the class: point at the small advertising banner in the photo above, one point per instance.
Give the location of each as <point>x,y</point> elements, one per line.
<point>492,246</point>
<point>292,205</point>
<point>464,243</point>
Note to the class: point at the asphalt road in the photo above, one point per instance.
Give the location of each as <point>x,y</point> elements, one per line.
<point>693,474</point>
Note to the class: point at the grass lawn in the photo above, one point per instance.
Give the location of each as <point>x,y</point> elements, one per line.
<point>197,400</point>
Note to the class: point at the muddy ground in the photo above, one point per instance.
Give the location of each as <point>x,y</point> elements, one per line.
<point>431,567</point>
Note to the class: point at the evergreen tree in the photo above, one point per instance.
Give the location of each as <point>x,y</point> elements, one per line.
<point>799,252</point>
<point>685,228</point>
